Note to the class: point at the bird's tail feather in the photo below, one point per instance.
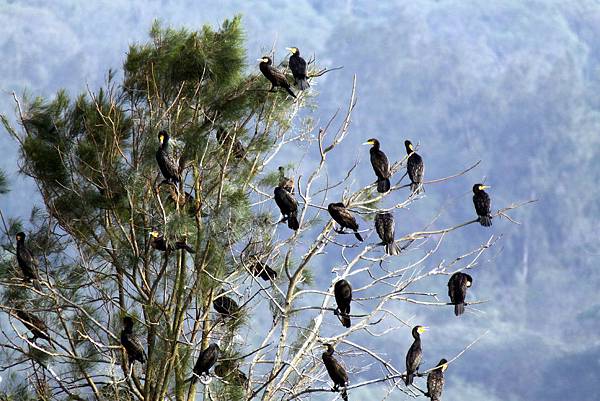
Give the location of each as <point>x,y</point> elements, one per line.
<point>416,187</point>
<point>485,221</point>
<point>392,249</point>
<point>383,185</point>
<point>409,378</point>
<point>293,222</point>
<point>288,90</point>
<point>358,236</point>
<point>459,309</point>
<point>344,394</point>
<point>302,84</point>
<point>345,320</point>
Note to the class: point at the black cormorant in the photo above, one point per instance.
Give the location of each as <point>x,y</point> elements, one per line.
<point>286,183</point>
<point>380,164</point>
<point>457,291</point>
<point>384,225</point>
<point>168,166</point>
<point>343,297</point>
<point>207,358</point>
<point>288,207</point>
<point>336,371</point>
<point>344,218</point>
<point>231,374</point>
<point>224,138</point>
<point>27,262</point>
<point>435,381</point>
<point>225,306</point>
<point>414,355</point>
<point>133,347</point>
<point>298,66</point>
<point>159,243</point>
<point>483,204</point>
<point>276,77</point>
<point>34,324</point>
<point>415,168</point>
<point>262,270</point>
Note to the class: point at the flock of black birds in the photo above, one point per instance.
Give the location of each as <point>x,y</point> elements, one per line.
<point>284,198</point>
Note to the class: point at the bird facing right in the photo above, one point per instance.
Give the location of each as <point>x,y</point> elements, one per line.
<point>483,204</point>
<point>414,167</point>
<point>435,381</point>
<point>457,291</point>
<point>336,371</point>
<point>298,67</point>
<point>344,218</point>
<point>414,355</point>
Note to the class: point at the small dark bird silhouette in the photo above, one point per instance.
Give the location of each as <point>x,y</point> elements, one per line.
<point>298,67</point>
<point>380,164</point>
<point>384,225</point>
<point>343,297</point>
<point>167,165</point>
<point>27,262</point>
<point>457,291</point>
<point>435,381</point>
<point>336,371</point>
<point>483,204</point>
<point>287,206</point>
<point>159,243</point>
<point>206,359</point>
<point>133,347</point>
<point>344,218</point>
<point>415,168</point>
<point>414,355</point>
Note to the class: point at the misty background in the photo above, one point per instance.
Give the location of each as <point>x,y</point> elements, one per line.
<point>515,84</point>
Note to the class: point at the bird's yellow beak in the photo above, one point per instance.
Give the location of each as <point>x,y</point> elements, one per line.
<point>291,50</point>
<point>422,329</point>
<point>482,187</point>
<point>411,147</point>
<point>444,367</point>
<point>161,138</point>
<point>368,143</point>
<point>153,234</point>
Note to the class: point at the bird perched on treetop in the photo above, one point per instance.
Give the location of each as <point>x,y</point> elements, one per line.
<point>435,381</point>
<point>276,77</point>
<point>344,218</point>
<point>26,261</point>
<point>168,167</point>
<point>159,243</point>
<point>206,359</point>
<point>457,291</point>
<point>414,355</point>
<point>483,204</point>
<point>287,206</point>
<point>343,297</point>
<point>336,371</point>
<point>380,164</point>
<point>133,347</point>
<point>414,167</point>
<point>225,306</point>
<point>298,67</point>
<point>384,225</point>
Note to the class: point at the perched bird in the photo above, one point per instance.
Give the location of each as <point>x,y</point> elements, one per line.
<point>34,324</point>
<point>159,243</point>
<point>435,381</point>
<point>133,347</point>
<point>286,183</point>
<point>344,218</point>
<point>168,166</point>
<point>262,270</point>
<point>224,138</point>
<point>225,306</point>
<point>298,66</point>
<point>207,358</point>
<point>27,262</point>
<point>483,204</point>
<point>343,296</point>
<point>336,371</point>
<point>288,207</point>
<point>380,164</point>
<point>457,291</point>
<point>276,77</point>
<point>415,168</point>
<point>414,355</point>
<point>384,225</point>
<point>185,200</point>
<point>231,374</point>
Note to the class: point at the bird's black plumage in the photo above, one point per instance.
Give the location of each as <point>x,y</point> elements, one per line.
<point>168,167</point>
<point>159,243</point>
<point>225,306</point>
<point>34,324</point>
<point>276,77</point>
<point>457,291</point>
<point>27,262</point>
<point>133,347</point>
<point>286,183</point>
<point>225,140</point>
<point>380,164</point>
<point>343,297</point>
<point>207,358</point>
<point>336,371</point>
<point>483,204</point>
<point>414,167</point>
<point>384,225</point>
<point>298,67</point>
<point>414,355</point>
<point>435,381</point>
<point>264,271</point>
<point>344,218</point>
<point>288,207</point>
